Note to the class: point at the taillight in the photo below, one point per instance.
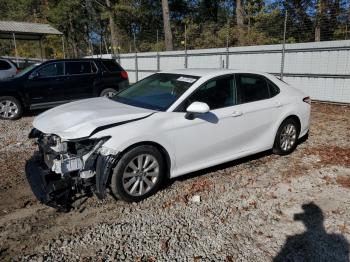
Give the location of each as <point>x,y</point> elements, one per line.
<point>17,71</point>
<point>124,74</point>
<point>307,100</point>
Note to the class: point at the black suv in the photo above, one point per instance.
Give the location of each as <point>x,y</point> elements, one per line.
<point>59,81</point>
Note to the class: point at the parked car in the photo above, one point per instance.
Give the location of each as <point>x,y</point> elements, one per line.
<point>59,81</point>
<point>7,68</point>
<point>163,126</point>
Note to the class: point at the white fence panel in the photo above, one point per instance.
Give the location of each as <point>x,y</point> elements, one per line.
<point>321,69</point>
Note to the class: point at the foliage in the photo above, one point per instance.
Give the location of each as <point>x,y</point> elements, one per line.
<point>85,24</point>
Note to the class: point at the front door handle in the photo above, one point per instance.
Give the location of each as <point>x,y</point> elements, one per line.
<point>236,113</point>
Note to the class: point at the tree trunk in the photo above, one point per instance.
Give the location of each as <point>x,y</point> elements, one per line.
<point>72,37</point>
<point>318,21</point>
<point>112,27</point>
<point>239,13</point>
<point>167,28</point>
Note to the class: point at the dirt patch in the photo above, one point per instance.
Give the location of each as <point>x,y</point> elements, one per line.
<point>330,155</point>
<point>344,181</point>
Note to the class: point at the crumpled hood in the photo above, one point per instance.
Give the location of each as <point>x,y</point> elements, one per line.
<point>79,119</point>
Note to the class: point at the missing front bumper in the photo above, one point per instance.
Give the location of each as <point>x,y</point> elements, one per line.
<point>49,188</point>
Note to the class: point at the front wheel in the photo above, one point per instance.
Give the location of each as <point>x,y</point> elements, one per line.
<point>138,174</point>
<point>10,108</point>
<point>286,137</point>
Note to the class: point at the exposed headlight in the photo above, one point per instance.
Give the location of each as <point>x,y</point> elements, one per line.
<point>81,147</point>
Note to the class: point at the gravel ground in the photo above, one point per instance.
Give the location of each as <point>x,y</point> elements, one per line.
<point>261,208</point>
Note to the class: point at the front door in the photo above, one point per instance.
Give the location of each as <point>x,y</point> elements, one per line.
<point>205,139</point>
<point>47,86</point>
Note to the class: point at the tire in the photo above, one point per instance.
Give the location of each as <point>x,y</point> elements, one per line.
<point>286,139</point>
<point>108,92</point>
<point>10,108</point>
<point>125,175</point>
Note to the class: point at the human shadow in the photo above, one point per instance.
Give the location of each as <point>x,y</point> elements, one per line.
<point>315,244</point>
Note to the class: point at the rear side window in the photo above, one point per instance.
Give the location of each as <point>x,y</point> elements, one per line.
<point>273,88</point>
<point>4,65</point>
<point>251,88</point>
<point>111,66</point>
<point>78,68</point>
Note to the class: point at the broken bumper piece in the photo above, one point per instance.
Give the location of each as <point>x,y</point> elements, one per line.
<point>49,188</point>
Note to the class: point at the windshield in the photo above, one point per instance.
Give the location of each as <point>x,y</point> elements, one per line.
<point>156,92</point>
<point>26,70</point>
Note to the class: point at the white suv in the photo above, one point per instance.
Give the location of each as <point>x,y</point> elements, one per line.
<point>7,68</point>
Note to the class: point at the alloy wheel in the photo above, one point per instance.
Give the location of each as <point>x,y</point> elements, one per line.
<point>288,137</point>
<point>8,109</point>
<point>141,175</point>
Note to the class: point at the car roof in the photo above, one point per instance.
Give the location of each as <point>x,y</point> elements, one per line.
<point>82,59</point>
<point>210,72</point>
<point>9,61</point>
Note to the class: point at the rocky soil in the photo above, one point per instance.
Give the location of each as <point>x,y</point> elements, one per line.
<point>261,208</point>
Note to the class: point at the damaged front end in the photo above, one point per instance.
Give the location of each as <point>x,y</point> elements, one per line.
<point>62,171</point>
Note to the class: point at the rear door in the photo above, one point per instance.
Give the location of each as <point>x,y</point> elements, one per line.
<point>257,111</point>
<point>81,77</point>
<point>47,86</point>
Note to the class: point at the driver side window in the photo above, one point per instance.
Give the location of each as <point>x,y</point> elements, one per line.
<point>54,69</point>
<point>216,93</point>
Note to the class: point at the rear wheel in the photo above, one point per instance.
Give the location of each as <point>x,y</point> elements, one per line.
<point>138,174</point>
<point>286,137</point>
<point>10,108</point>
<point>108,92</point>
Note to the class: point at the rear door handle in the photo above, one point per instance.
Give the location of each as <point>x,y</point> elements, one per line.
<point>236,114</point>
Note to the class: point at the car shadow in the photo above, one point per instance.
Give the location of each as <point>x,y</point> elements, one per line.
<point>315,244</point>
<point>33,113</point>
<point>216,168</point>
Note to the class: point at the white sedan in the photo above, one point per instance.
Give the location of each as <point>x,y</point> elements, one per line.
<point>164,126</point>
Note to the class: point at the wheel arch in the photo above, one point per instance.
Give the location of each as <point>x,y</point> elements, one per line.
<point>296,118</point>
<point>16,95</point>
<point>161,149</point>
<point>282,119</point>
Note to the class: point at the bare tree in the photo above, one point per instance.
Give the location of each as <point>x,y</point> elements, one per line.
<point>167,28</point>
<point>239,13</point>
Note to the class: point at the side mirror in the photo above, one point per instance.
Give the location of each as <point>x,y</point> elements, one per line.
<point>34,75</point>
<point>198,108</point>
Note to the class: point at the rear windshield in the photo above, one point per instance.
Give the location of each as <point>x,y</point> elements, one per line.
<point>111,65</point>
